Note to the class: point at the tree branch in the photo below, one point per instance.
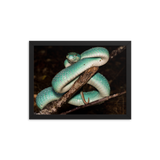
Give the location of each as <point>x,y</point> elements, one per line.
<point>94,103</point>
<point>82,80</point>
<point>117,51</point>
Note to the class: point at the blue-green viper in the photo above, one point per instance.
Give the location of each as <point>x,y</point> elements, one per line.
<point>75,65</point>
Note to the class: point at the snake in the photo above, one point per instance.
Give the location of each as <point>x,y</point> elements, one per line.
<point>75,64</point>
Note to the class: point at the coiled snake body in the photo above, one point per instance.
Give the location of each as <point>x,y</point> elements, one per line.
<point>75,65</point>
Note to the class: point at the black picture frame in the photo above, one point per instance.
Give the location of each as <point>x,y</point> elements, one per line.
<point>32,44</point>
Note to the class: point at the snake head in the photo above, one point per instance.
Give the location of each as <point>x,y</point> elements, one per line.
<point>73,57</point>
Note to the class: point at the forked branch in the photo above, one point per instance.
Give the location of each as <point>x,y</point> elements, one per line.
<point>94,103</point>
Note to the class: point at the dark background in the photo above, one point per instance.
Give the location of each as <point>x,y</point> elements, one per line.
<point>49,60</point>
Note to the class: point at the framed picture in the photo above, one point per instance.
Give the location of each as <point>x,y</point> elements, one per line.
<point>79,79</point>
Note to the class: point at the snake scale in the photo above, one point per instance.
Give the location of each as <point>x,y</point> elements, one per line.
<point>75,65</point>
